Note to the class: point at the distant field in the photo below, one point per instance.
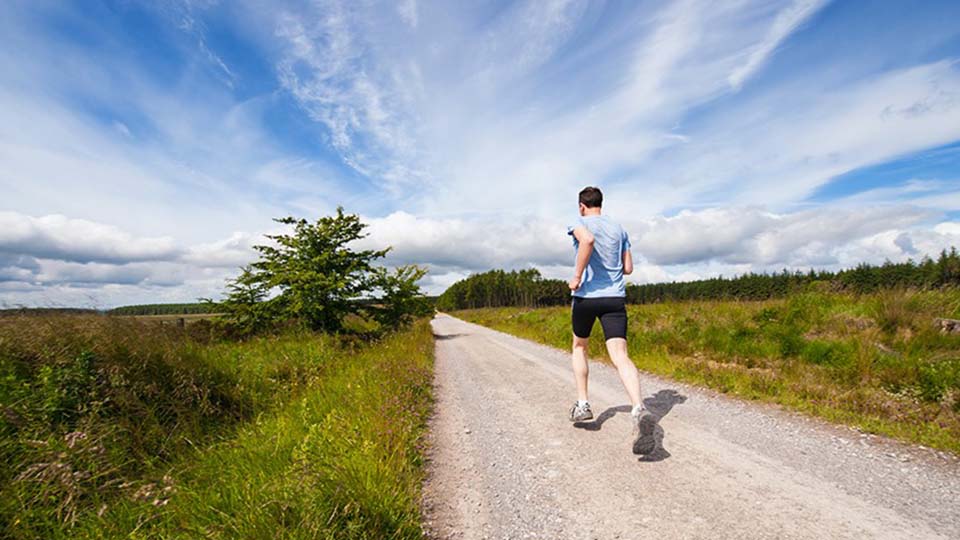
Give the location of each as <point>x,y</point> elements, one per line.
<point>875,361</point>
<point>187,317</point>
<point>167,309</point>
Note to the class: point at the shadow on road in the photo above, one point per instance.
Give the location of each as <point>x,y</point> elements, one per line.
<point>597,422</point>
<point>659,405</point>
<point>662,402</point>
<point>445,337</point>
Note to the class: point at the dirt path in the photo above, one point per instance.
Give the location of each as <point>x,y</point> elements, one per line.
<point>506,462</point>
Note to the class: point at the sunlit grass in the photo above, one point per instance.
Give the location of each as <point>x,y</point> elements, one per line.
<point>124,429</point>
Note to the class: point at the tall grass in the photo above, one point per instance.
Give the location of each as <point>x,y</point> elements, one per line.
<point>120,428</point>
<point>873,361</point>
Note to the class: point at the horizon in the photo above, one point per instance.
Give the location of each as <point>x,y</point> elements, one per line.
<point>147,146</point>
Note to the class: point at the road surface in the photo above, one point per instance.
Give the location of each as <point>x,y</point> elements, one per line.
<point>505,462</point>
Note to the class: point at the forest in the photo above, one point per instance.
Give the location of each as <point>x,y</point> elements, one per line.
<point>498,288</point>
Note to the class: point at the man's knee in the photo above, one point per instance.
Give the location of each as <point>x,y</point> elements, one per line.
<point>617,348</point>
<point>580,343</point>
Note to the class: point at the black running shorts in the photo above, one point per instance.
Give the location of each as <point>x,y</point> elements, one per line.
<point>612,311</point>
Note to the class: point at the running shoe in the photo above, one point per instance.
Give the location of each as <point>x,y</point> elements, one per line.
<point>580,413</point>
<point>645,443</point>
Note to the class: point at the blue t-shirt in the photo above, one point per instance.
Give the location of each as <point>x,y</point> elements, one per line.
<point>603,275</point>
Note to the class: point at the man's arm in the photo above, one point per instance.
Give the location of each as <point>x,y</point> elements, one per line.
<point>627,262</point>
<point>584,250</point>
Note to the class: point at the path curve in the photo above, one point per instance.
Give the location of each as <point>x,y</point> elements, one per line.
<point>505,462</point>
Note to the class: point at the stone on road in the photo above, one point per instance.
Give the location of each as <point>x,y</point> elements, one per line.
<point>505,462</point>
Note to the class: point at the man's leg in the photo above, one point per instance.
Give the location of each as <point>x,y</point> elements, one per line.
<point>629,376</point>
<point>580,368</point>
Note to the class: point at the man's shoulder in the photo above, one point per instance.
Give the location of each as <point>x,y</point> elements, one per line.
<point>611,223</point>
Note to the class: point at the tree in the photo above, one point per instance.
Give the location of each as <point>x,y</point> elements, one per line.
<point>313,276</point>
<point>401,299</point>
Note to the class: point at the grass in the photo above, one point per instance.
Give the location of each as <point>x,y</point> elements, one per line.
<point>114,427</point>
<point>875,362</point>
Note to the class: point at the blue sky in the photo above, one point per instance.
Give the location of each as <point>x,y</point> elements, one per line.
<point>145,146</point>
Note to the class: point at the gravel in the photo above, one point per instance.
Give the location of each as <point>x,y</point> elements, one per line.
<point>504,461</point>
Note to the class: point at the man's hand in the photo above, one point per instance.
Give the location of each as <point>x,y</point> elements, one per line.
<point>574,282</point>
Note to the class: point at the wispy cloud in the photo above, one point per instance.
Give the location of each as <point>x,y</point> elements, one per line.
<point>783,25</point>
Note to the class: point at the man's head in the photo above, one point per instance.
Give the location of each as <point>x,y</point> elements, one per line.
<point>590,200</point>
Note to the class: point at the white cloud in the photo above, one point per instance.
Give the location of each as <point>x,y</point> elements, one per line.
<point>785,24</point>
<point>468,244</point>
<point>752,235</point>
<point>407,9</point>
<point>58,237</point>
<point>232,252</point>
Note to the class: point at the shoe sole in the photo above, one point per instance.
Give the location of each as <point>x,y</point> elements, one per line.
<point>583,418</point>
<point>645,442</point>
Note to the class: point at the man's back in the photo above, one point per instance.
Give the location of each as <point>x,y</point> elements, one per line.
<point>604,273</point>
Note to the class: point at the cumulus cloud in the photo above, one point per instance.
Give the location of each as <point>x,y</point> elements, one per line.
<point>757,236</point>
<point>469,244</point>
<point>237,250</point>
<point>78,240</point>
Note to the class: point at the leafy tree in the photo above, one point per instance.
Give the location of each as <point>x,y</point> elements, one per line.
<point>401,299</point>
<point>315,277</point>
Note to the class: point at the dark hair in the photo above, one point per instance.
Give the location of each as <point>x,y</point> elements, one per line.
<point>591,197</point>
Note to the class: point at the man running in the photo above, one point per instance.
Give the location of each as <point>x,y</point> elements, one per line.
<point>599,291</point>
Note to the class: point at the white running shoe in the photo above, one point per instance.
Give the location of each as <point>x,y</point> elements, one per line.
<point>580,413</point>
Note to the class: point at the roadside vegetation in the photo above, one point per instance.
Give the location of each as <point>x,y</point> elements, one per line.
<point>272,426</point>
<point>875,361</point>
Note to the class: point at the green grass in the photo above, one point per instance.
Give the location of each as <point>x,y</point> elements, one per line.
<point>876,362</point>
<point>116,428</point>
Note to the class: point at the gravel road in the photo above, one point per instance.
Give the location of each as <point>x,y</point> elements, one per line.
<point>506,463</point>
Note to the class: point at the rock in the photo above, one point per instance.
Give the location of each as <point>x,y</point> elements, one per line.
<point>948,326</point>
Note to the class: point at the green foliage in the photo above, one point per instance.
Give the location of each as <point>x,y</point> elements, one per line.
<point>401,300</point>
<point>937,379</point>
<point>315,277</point>
<point>497,288</point>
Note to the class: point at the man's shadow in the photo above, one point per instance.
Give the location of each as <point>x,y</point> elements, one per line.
<point>659,405</point>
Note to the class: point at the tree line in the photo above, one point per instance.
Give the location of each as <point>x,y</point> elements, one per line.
<point>528,288</point>
<point>167,309</point>
<point>498,288</point>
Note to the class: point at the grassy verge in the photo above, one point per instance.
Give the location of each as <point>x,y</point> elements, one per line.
<point>124,429</point>
<point>876,362</point>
